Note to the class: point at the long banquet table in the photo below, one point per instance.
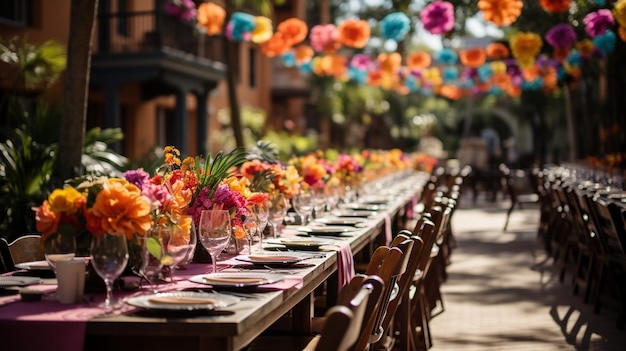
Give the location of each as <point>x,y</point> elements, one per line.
<point>51,325</point>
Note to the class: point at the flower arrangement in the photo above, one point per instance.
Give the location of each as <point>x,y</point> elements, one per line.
<point>314,169</point>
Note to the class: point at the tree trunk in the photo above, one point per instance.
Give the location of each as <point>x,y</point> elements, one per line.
<point>75,89</point>
<point>231,75</point>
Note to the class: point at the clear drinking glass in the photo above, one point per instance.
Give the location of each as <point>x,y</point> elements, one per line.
<point>261,212</point>
<point>214,232</point>
<point>303,204</point>
<point>109,255</point>
<point>178,246</point>
<point>278,206</point>
<point>59,246</point>
<point>152,253</point>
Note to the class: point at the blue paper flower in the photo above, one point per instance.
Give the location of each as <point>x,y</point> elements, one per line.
<point>289,59</point>
<point>306,68</point>
<point>605,42</point>
<point>358,75</point>
<point>485,72</point>
<point>241,24</point>
<point>447,56</point>
<point>395,26</point>
<point>412,83</point>
<point>450,74</point>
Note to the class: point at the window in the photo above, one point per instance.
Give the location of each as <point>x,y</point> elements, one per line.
<point>16,12</point>
<point>252,69</point>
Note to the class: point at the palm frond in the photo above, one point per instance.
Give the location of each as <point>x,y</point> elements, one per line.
<point>218,168</point>
<point>264,151</point>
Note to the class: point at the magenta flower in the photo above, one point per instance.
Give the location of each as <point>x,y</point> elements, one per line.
<point>438,17</point>
<point>596,23</point>
<point>561,36</point>
<point>360,61</point>
<point>137,177</point>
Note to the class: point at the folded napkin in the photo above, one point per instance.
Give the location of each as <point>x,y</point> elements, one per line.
<point>235,280</point>
<point>182,300</point>
<point>272,258</point>
<point>345,264</point>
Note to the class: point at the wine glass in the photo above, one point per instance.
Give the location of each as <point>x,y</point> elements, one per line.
<point>59,246</point>
<point>303,204</point>
<point>214,232</point>
<point>109,255</point>
<point>278,206</point>
<point>249,223</point>
<point>177,247</point>
<point>261,212</point>
<point>193,241</point>
<point>152,252</point>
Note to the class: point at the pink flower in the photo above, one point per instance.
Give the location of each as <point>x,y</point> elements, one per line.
<point>323,37</point>
<point>438,17</point>
<point>360,61</point>
<point>596,23</point>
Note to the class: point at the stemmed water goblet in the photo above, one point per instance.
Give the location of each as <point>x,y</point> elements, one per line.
<point>261,212</point>
<point>304,204</point>
<point>152,253</point>
<point>214,232</point>
<point>278,206</point>
<point>109,256</point>
<point>181,240</point>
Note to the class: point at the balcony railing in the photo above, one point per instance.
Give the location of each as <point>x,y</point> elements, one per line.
<point>150,31</point>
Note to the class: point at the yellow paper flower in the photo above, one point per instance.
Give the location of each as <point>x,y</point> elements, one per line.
<point>65,201</point>
<point>498,67</point>
<point>526,46</point>
<point>619,12</point>
<point>263,30</point>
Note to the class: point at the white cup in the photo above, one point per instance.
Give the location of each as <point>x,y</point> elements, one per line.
<point>71,280</point>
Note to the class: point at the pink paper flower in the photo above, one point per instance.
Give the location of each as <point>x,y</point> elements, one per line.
<point>438,17</point>
<point>596,23</point>
<point>323,37</point>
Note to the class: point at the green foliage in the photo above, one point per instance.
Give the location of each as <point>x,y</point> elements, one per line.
<point>217,168</point>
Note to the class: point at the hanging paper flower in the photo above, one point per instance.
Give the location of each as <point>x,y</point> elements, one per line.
<point>447,56</point>
<point>390,63</point>
<point>560,54</point>
<point>289,59</point>
<point>621,31</point>
<point>354,33</point>
<point>525,47</point>
<point>263,30</point>
<point>501,12</point>
<point>211,17</point>
<point>474,57</point>
<point>419,59</point>
<point>306,68</point>
<point>330,65</point>
<point>360,61</point>
<point>374,78</point>
<point>497,51</point>
<point>432,75</point>
<point>183,9</point>
<point>554,6</point>
<point>450,74</point>
<point>395,26</point>
<point>530,73</point>
<point>240,26</point>
<point>605,42</point>
<point>438,17</point>
<point>324,38</point>
<point>303,54</point>
<point>619,11</point>
<point>277,45</point>
<point>485,72</point>
<point>561,36</point>
<point>498,67</point>
<point>574,59</point>
<point>358,75</point>
<point>294,30</point>
<point>501,80</point>
<point>450,91</point>
<point>585,48</point>
<point>596,23</point>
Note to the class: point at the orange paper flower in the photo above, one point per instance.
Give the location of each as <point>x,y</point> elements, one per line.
<point>303,54</point>
<point>585,47</point>
<point>294,30</point>
<point>621,31</point>
<point>555,5</point>
<point>277,45</point>
<point>211,17</point>
<point>390,63</point>
<point>449,91</point>
<point>473,57</point>
<point>420,59</point>
<point>501,12</point>
<point>497,51</point>
<point>354,33</point>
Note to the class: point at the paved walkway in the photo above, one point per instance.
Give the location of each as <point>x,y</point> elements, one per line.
<point>503,293</point>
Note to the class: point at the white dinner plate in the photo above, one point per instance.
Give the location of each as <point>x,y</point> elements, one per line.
<point>18,281</point>
<point>351,222</point>
<point>351,213</point>
<point>34,266</point>
<point>270,259</point>
<point>303,244</point>
<point>237,280</point>
<point>182,301</point>
<point>326,230</point>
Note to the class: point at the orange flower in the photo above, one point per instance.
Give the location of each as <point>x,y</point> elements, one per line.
<point>294,30</point>
<point>450,91</point>
<point>514,91</point>
<point>330,65</point>
<point>374,78</point>
<point>621,31</point>
<point>530,73</point>
<point>303,54</point>
<point>501,12</point>
<point>501,80</point>
<point>257,198</point>
<point>585,47</point>
<point>555,5</point>
<point>390,63</point>
<point>354,33</point>
<point>277,45</point>
<point>497,51</point>
<point>473,57</point>
<point>47,221</point>
<point>211,17</point>
<point>122,209</point>
<point>560,54</point>
<point>420,59</point>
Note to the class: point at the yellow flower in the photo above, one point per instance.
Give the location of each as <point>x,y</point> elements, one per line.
<point>122,209</point>
<point>66,200</point>
<point>526,46</point>
<point>240,185</point>
<point>619,12</point>
<point>263,30</point>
